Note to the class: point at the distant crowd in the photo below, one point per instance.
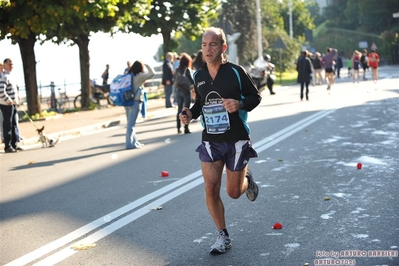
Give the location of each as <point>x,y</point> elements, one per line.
<point>311,66</point>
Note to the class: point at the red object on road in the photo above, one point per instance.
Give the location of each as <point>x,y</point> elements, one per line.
<point>277,226</point>
<point>359,166</point>
<point>164,173</point>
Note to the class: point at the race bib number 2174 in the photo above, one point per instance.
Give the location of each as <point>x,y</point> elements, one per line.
<point>216,119</point>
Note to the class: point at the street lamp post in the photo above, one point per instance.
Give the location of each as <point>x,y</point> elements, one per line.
<point>290,14</point>
<point>290,17</point>
<point>259,28</point>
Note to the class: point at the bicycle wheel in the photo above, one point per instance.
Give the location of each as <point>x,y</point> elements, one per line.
<point>64,101</point>
<point>78,102</point>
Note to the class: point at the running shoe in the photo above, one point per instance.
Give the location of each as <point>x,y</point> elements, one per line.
<point>222,243</point>
<point>252,190</point>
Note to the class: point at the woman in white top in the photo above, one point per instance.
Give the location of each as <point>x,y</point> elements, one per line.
<point>132,111</point>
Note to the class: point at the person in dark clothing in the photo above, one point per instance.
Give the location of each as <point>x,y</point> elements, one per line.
<point>167,78</point>
<point>269,72</point>
<point>9,100</point>
<point>183,95</point>
<point>304,68</point>
<point>364,62</point>
<point>198,62</point>
<point>105,75</point>
<point>225,95</point>
<point>339,65</point>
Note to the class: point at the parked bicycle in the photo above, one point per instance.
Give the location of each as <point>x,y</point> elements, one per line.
<point>62,102</point>
<point>98,93</point>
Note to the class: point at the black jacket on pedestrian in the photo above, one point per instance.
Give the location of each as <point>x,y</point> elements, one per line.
<point>167,72</point>
<point>317,63</point>
<point>304,68</point>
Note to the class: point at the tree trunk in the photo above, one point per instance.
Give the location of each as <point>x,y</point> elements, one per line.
<point>168,44</point>
<point>83,43</point>
<point>26,47</point>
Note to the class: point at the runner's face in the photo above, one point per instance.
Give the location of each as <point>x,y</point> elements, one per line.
<point>212,48</point>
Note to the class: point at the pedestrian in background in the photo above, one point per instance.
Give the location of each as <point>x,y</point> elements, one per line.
<point>1,115</point>
<point>328,62</point>
<point>373,60</point>
<point>356,65</point>
<point>304,68</point>
<point>8,106</point>
<point>105,75</point>
<point>199,61</point>
<point>317,66</point>
<point>364,62</point>
<point>338,66</point>
<point>176,62</point>
<point>128,67</point>
<point>349,66</point>
<point>183,95</point>
<point>225,93</point>
<point>133,110</point>
<point>167,78</point>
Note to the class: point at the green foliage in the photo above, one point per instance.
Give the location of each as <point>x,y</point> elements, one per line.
<point>288,56</point>
<point>186,45</point>
<point>240,16</point>
<point>187,17</point>
<point>352,21</point>
<point>45,114</point>
<point>4,3</point>
<point>301,17</point>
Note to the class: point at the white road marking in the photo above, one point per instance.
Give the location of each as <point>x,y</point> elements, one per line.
<point>108,218</point>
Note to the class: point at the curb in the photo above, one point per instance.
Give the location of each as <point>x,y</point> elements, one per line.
<point>81,131</point>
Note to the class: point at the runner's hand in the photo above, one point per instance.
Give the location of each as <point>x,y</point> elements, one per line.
<point>185,118</point>
<point>231,105</point>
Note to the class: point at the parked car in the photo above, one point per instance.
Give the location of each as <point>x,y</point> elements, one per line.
<point>154,85</point>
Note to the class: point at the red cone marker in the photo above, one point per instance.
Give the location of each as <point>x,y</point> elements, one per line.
<point>164,173</point>
<point>359,166</point>
<point>277,226</point>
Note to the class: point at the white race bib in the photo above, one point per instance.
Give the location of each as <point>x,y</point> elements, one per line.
<point>216,118</point>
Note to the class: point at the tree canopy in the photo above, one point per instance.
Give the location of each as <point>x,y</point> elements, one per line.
<point>169,17</point>
<point>348,22</point>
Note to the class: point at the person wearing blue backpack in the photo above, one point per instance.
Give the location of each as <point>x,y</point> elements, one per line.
<point>132,111</point>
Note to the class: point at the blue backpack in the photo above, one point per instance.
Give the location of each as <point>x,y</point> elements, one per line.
<point>122,91</point>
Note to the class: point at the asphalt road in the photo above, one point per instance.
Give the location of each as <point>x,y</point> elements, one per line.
<point>90,202</point>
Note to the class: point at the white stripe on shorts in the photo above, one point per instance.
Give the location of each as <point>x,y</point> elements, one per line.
<point>238,146</point>
<point>208,149</point>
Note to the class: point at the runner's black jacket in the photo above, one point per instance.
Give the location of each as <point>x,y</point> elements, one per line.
<point>231,82</point>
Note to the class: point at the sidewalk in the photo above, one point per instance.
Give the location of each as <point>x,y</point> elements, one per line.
<point>77,123</point>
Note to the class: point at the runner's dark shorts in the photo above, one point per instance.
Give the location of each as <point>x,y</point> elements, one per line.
<point>329,70</point>
<point>235,155</point>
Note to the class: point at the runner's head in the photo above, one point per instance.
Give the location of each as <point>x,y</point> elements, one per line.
<point>214,45</point>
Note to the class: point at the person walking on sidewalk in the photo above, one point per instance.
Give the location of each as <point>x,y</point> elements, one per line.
<point>167,78</point>
<point>328,62</point>
<point>105,75</point>
<point>8,106</point>
<point>183,94</point>
<point>373,59</point>
<point>356,65</point>
<point>132,111</point>
<point>364,62</point>
<point>317,69</point>
<point>304,68</point>
<point>225,93</point>
<point>338,66</point>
